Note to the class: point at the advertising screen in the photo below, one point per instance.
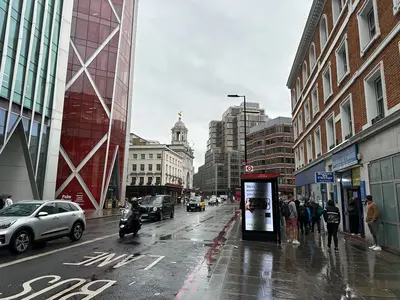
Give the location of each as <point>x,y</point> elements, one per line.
<point>258,206</point>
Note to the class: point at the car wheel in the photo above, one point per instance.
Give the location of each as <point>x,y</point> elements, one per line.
<point>20,242</point>
<point>76,231</point>
<point>121,234</point>
<point>172,214</point>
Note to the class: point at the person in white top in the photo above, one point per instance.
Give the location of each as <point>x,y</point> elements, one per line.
<point>8,202</point>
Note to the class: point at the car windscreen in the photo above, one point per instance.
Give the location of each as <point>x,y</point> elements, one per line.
<point>19,210</point>
<point>146,200</point>
<point>153,200</point>
<point>196,199</point>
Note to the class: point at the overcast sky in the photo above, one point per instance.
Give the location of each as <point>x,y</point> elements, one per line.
<point>191,53</point>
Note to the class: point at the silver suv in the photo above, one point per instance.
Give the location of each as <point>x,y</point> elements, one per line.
<point>26,222</point>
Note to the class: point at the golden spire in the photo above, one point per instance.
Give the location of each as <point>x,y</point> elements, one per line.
<point>180,113</point>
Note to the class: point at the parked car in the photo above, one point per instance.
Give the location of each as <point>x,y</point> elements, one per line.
<point>196,203</point>
<point>28,222</point>
<point>157,207</point>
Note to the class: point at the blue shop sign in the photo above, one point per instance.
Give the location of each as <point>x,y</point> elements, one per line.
<point>326,177</point>
<point>345,158</point>
<point>363,191</point>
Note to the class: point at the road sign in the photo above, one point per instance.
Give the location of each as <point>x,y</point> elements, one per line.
<point>249,168</point>
<point>244,164</point>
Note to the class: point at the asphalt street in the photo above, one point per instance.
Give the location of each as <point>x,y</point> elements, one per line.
<point>154,265</point>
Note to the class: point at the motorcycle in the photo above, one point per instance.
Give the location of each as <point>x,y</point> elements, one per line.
<point>129,223</point>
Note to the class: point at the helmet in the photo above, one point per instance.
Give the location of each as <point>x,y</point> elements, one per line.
<point>134,201</point>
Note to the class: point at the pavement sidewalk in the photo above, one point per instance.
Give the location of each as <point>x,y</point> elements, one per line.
<point>258,270</point>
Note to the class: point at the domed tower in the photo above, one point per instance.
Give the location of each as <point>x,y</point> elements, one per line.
<point>179,133</point>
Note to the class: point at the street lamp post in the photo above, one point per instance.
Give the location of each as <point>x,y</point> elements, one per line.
<point>245,123</point>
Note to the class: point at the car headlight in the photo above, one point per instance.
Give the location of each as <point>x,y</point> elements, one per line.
<point>188,204</point>
<point>4,226</point>
<point>154,208</point>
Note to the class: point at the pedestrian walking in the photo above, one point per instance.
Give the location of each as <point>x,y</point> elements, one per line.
<point>289,212</point>
<point>316,212</point>
<point>354,218</point>
<point>8,202</point>
<point>332,218</point>
<point>304,219</point>
<point>372,220</point>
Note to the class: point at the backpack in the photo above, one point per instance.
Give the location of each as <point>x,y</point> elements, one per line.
<point>309,218</point>
<point>303,213</point>
<point>285,210</point>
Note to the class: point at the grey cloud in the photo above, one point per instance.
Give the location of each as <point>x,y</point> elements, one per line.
<point>191,53</point>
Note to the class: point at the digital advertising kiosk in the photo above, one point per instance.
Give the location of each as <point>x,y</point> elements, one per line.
<point>260,207</point>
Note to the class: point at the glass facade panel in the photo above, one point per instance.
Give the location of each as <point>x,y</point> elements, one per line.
<point>3,20</point>
<point>392,235</point>
<point>375,172</point>
<point>12,121</point>
<point>386,169</point>
<point>12,47</point>
<point>33,147</point>
<point>396,166</point>
<point>42,159</point>
<point>26,123</point>
<point>3,116</point>
<point>376,195</point>
<point>389,214</point>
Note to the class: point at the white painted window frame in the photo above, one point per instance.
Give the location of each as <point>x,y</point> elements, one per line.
<point>336,16</point>
<point>298,89</point>
<point>302,158</point>
<point>318,129</point>
<point>300,122</point>
<point>344,43</point>
<point>295,130</point>
<point>312,57</point>
<point>379,68</point>
<point>327,69</point>
<point>327,119</point>
<point>304,72</point>
<point>323,44</point>
<point>348,99</point>
<point>309,149</point>
<point>361,28</point>
<point>315,89</point>
<point>396,7</point>
<point>307,104</point>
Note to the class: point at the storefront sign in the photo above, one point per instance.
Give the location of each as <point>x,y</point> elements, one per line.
<point>258,206</point>
<point>326,177</point>
<point>363,191</point>
<point>356,176</point>
<point>346,158</point>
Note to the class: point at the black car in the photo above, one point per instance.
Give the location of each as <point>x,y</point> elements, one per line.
<point>196,203</point>
<point>157,207</point>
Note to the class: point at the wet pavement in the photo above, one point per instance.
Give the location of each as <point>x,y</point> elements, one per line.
<point>256,270</point>
<point>153,265</point>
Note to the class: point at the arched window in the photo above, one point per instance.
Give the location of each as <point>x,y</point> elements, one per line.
<point>305,73</point>
<point>298,88</point>
<point>312,56</point>
<point>323,31</point>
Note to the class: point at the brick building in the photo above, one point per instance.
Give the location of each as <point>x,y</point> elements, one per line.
<point>270,150</point>
<point>345,94</point>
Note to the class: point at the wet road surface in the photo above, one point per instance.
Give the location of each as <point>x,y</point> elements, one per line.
<point>153,265</point>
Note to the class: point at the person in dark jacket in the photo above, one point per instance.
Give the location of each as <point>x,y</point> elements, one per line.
<point>354,217</point>
<point>332,219</point>
<point>316,215</point>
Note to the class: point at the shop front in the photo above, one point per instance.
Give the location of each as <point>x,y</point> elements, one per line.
<point>307,186</point>
<point>345,164</point>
